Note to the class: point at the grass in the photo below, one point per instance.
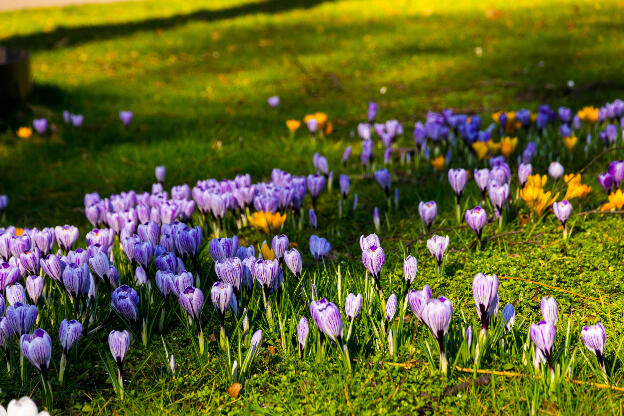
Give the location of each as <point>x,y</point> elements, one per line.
<point>197,78</point>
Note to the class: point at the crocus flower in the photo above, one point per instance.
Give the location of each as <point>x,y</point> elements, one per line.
<point>437,316</point>
<point>77,119</point>
<point>437,246</point>
<point>125,301</point>
<point>70,332</point>
<point>327,318</point>
<point>21,318</point>
<point>346,155</point>
<point>192,300</point>
<point>303,330</point>
<point>221,248</point>
<point>476,219</point>
<point>319,247</point>
<point>509,316</point>
<point>315,184</point>
<point>372,110</point>
<point>221,294</point>
<point>376,219</point>
<point>383,179</point>
<point>37,348</point>
<point>160,173</point>
<point>374,258</point>
<point>428,212</point>
<point>562,211</point>
<point>543,335</point>
<point>230,270</point>
<point>76,279</point>
<point>312,218</point>
<point>15,294</point>
<point>524,171</point>
<point>458,178</point>
<point>29,261</point>
<point>40,125</point>
<point>293,261</point>
<point>594,337</point>
<point>344,185</point>
<point>410,267</point>
<point>43,239</point>
<point>616,170</point>
<point>353,305</point>
<point>125,117</point>
<point>119,342</point>
<point>418,300</point>
<point>52,265</point>
<point>606,181</point>
<point>391,306</point>
<point>482,177</point>
<point>498,195</point>
<point>34,287</point>
<point>549,309</point>
<point>364,131</point>
<point>66,236</point>
<point>273,101</point>
<point>485,292</point>
<point>555,170</point>
<point>369,241</point>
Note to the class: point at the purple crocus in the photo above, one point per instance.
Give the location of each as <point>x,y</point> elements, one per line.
<point>119,342</point>
<point>293,261</point>
<point>374,258</point>
<point>594,337</point>
<point>437,246</point>
<point>344,185</point>
<point>221,295</point>
<point>410,267</point>
<point>418,300</point>
<point>315,184</point>
<point>221,248</point>
<point>37,348</point>
<point>485,293</point>
<point>482,177</point>
<point>524,171</point>
<point>40,125</point>
<point>66,236</point>
<point>346,155</point>
<point>373,107</point>
<point>364,131</point>
<point>34,287</point>
<point>353,305</point>
<point>76,279</point>
<point>327,318</point>
<point>549,309</point>
<point>428,212</point>
<point>21,318</point>
<point>562,211</point>
<point>476,219</point>
<point>273,101</point>
<point>192,300</point>
<point>125,301</point>
<point>70,332</point>
<point>543,335</point>
<point>458,178</point>
<point>159,172</point>
<point>77,119</point>
<point>555,170</point>
<point>383,179</point>
<point>312,218</point>
<point>319,247</point>
<point>509,316</point>
<point>606,181</point>
<point>616,170</point>
<point>376,219</point>
<point>230,270</point>
<point>391,306</point>
<point>126,117</point>
<point>437,316</point>
<point>303,329</point>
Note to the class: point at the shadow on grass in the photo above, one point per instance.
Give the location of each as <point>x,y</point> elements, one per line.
<point>71,36</point>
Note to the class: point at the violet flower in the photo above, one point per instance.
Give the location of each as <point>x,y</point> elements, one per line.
<point>428,212</point>
<point>476,219</point>
<point>437,246</point>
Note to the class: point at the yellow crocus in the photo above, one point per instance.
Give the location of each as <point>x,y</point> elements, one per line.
<point>536,181</point>
<point>616,200</point>
<point>577,190</point>
<point>508,145</point>
<point>439,163</point>
<point>293,125</point>
<point>321,118</point>
<point>569,142</point>
<point>493,146</point>
<point>24,132</point>
<point>589,114</point>
<point>481,149</point>
<point>267,221</point>
<point>266,251</point>
<point>496,116</point>
<point>570,178</point>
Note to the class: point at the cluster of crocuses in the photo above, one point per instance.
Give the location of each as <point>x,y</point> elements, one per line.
<point>386,132</point>
<point>41,125</point>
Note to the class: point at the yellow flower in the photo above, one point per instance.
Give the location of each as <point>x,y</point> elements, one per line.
<point>511,117</point>
<point>577,190</point>
<point>533,117</point>
<point>570,142</point>
<point>508,145</point>
<point>19,231</point>
<point>438,163</point>
<point>293,125</point>
<point>481,149</point>
<point>493,146</point>
<point>267,252</point>
<point>24,132</point>
<point>329,127</point>
<point>588,114</point>
<point>616,200</point>
<point>496,116</point>
<point>536,181</point>
<point>536,198</point>
<point>321,118</point>
<point>267,221</point>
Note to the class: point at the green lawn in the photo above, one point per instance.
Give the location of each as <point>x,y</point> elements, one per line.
<point>197,78</point>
